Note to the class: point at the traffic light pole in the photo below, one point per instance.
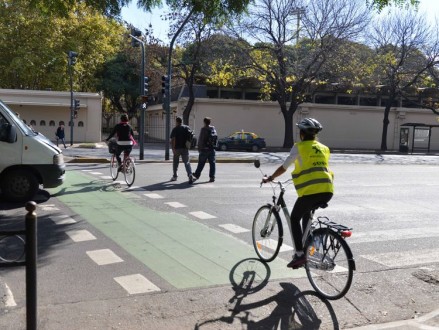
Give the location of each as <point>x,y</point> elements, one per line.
<point>168,90</point>
<point>72,106</point>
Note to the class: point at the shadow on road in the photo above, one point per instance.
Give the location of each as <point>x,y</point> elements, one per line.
<point>293,309</point>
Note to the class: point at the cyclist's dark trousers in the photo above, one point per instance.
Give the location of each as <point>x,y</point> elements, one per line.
<point>302,210</point>
<point>126,149</point>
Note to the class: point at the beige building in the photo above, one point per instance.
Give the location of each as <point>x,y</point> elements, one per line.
<point>45,110</point>
<point>345,126</point>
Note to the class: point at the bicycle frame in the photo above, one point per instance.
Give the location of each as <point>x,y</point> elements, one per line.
<point>280,204</point>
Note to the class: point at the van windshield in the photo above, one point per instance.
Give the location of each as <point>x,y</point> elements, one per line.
<point>17,121</point>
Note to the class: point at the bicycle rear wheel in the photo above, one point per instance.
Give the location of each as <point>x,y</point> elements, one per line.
<point>329,264</point>
<point>267,233</point>
<point>129,171</point>
<point>114,167</point>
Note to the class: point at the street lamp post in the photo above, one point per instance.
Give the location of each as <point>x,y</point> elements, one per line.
<point>134,34</point>
<point>167,101</point>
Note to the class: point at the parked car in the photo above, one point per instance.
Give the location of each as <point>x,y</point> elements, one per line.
<point>242,141</point>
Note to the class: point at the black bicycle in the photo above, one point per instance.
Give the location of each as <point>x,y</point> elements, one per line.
<point>329,260</point>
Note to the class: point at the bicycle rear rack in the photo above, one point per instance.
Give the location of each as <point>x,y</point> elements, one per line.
<point>343,230</point>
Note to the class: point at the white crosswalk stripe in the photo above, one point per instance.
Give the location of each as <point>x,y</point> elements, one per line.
<point>406,258</point>
<point>136,283</point>
<point>104,257</point>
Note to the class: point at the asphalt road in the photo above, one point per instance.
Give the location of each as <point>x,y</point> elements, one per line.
<point>188,246</point>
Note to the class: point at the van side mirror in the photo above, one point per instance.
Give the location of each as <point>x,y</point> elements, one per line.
<point>12,134</point>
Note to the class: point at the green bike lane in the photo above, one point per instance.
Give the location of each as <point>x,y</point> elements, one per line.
<point>184,252</point>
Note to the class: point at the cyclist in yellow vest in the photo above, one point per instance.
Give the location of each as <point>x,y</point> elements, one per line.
<point>312,179</point>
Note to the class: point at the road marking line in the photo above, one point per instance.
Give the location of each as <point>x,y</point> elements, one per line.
<point>234,228</point>
<point>272,244</point>
<point>106,177</point>
<point>48,207</point>
<point>153,196</point>
<point>86,170</point>
<point>9,297</point>
<point>63,219</point>
<point>202,215</point>
<point>175,205</point>
<point>404,258</point>
<point>97,173</point>
<point>393,234</point>
<point>104,257</point>
<point>80,235</point>
<point>136,284</point>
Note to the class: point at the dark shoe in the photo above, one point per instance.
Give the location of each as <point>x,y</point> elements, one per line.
<point>212,180</point>
<point>195,177</point>
<point>297,261</point>
<point>174,178</point>
<point>119,169</point>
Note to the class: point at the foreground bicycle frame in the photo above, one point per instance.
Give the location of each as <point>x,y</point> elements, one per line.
<point>329,260</point>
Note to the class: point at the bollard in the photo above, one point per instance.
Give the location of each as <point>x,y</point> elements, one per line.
<point>31,266</point>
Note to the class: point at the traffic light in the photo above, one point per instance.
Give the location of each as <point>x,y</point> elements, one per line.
<point>77,104</point>
<point>146,81</point>
<point>165,85</point>
<point>135,33</point>
<point>72,57</point>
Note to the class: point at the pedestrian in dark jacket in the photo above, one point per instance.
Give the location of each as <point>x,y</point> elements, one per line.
<point>60,135</point>
<point>206,149</point>
<point>179,137</point>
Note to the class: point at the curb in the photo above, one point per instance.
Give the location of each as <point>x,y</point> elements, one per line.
<point>78,160</point>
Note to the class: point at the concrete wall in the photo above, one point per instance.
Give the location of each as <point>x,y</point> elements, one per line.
<point>48,108</point>
<point>345,127</point>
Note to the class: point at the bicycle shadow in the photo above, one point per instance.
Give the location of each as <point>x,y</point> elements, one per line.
<point>294,309</point>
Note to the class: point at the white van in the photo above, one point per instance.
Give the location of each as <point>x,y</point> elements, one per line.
<point>27,159</point>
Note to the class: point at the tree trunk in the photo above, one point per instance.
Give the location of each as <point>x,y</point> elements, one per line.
<point>288,118</point>
<point>386,121</point>
<point>190,103</point>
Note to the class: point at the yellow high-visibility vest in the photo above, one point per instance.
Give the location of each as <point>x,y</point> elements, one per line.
<point>311,173</point>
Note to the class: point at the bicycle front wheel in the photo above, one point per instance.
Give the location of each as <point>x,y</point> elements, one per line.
<point>129,171</point>
<point>329,264</point>
<point>114,168</point>
<point>267,233</point>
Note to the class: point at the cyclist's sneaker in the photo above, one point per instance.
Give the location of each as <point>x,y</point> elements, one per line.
<point>119,169</point>
<point>297,262</point>
<point>174,178</point>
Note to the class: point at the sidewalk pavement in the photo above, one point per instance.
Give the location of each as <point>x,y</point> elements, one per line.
<point>425,322</point>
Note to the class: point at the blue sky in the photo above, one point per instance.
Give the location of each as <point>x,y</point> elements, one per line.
<point>142,19</point>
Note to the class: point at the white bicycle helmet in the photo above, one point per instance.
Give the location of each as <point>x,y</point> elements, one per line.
<point>310,125</point>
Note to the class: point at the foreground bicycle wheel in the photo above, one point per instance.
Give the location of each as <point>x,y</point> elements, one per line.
<point>329,264</point>
<point>267,233</point>
<point>129,171</point>
<point>114,168</point>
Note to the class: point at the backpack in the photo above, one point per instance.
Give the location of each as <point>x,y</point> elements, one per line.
<point>212,139</point>
<point>189,137</point>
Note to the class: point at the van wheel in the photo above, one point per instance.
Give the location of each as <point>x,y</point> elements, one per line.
<point>255,148</point>
<point>19,186</point>
<point>223,147</point>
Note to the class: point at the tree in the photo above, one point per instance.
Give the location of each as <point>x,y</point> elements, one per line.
<point>407,50</point>
<point>381,4</point>
<point>34,47</point>
<point>119,80</point>
<point>288,72</point>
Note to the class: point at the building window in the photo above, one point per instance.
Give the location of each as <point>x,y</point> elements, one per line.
<point>33,123</point>
<point>52,123</point>
<point>71,123</point>
<point>42,123</point>
<point>61,123</point>
<point>80,124</point>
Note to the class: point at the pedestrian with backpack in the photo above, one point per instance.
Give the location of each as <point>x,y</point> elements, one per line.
<point>207,143</point>
<point>179,136</point>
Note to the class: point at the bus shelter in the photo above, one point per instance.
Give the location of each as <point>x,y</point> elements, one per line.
<point>421,135</point>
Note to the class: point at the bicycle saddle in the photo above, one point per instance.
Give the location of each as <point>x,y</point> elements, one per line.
<point>320,205</point>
